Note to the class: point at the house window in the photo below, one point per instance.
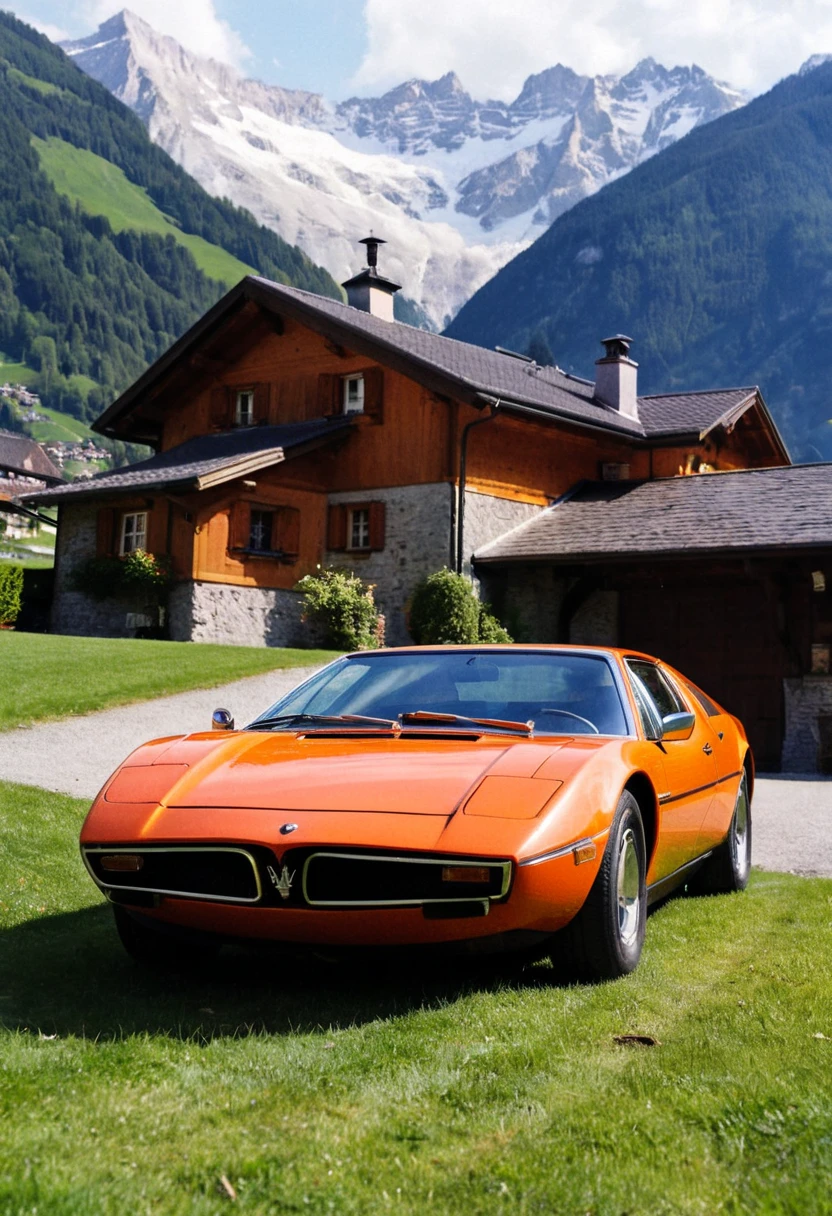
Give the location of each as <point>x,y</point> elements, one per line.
<point>133,532</point>
<point>260,531</point>
<point>354,395</point>
<point>244,415</point>
<point>359,528</point>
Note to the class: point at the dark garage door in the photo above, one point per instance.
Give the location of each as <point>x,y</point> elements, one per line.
<point>724,638</point>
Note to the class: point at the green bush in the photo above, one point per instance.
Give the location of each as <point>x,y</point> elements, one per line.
<point>445,611</point>
<point>344,607</point>
<point>11,590</point>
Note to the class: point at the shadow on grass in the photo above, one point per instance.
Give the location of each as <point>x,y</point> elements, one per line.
<point>68,974</point>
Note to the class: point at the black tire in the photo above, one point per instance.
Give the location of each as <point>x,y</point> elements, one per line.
<point>729,866</point>
<point>161,949</point>
<point>605,939</point>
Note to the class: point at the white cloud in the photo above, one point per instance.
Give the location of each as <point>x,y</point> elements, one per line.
<point>53,32</point>
<point>493,47</point>
<point>194,23</point>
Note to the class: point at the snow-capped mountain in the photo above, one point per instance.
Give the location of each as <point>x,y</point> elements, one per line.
<point>456,186</point>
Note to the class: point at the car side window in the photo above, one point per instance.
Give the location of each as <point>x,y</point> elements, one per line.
<point>647,711</point>
<point>662,693</point>
<point>710,708</point>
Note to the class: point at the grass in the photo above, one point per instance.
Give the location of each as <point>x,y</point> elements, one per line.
<point>20,552</point>
<point>46,676</point>
<point>61,428</point>
<point>42,86</point>
<point>410,1089</point>
<point>16,373</point>
<point>102,188</point>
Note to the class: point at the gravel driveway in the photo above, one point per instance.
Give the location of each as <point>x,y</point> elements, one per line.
<point>792,815</point>
<point>76,755</point>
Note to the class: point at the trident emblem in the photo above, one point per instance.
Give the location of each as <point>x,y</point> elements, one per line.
<point>283,883</point>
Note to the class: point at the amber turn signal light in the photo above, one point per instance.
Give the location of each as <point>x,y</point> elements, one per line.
<point>585,852</point>
<point>123,862</point>
<point>465,874</point>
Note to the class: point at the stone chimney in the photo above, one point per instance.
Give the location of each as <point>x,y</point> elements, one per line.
<point>615,379</point>
<point>369,290</point>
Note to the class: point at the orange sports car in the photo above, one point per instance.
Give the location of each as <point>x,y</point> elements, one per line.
<point>488,797</point>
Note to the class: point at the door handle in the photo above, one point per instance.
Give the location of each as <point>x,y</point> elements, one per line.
<point>707,749</point>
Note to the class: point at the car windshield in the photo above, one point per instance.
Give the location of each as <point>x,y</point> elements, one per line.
<point>562,693</point>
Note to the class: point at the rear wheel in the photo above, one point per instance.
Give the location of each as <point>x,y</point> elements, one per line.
<point>605,939</point>
<point>729,866</point>
<point>162,949</point>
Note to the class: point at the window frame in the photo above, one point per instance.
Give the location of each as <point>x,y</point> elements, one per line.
<point>123,551</point>
<point>347,406</point>
<point>352,512</point>
<point>239,394</point>
<point>272,515</point>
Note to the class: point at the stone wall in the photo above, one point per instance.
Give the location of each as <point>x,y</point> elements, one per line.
<point>237,616</point>
<point>75,612</point>
<point>417,531</point>
<point>487,517</point>
<point>807,698</point>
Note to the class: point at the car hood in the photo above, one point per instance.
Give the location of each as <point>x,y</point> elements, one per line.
<point>403,775</point>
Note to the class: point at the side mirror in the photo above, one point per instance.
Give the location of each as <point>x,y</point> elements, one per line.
<point>221,719</point>
<point>677,726</point>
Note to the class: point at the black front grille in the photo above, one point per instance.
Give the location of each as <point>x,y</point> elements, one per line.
<point>333,879</point>
<point>227,874</point>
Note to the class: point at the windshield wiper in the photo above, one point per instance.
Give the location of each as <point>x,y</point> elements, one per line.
<point>317,719</point>
<point>427,715</point>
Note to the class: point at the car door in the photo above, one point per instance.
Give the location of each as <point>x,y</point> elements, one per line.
<point>689,767</point>
<point>728,757</point>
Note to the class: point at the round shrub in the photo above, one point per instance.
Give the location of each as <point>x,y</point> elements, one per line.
<point>445,611</point>
<point>11,592</point>
<point>344,607</point>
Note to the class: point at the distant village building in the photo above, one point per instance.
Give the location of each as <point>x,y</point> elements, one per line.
<point>291,430</point>
<point>24,469</point>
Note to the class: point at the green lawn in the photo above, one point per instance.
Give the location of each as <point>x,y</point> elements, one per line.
<point>411,1088</point>
<point>45,676</point>
<point>61,428</point>
<point>15,373</point>
<point>103,189</point>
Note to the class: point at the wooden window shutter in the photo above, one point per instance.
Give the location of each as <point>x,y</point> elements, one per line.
<point>107,524</point>
<point>288,531</point>
<point>221,407</point>
<point>337,528</point>
<point>261,404</point>
<point>239,525</point>
<point>374,393</point>
<point>376,525</point>
<point>329,394</point>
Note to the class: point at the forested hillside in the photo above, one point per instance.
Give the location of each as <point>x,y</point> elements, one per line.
<point>715,256</point>
<point>108,250</point>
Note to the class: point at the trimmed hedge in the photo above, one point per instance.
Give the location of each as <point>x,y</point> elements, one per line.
<point>11,592</point>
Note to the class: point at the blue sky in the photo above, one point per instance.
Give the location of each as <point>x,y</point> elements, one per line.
<point>339,47</point>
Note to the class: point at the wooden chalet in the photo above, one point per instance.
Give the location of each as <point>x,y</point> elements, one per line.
<point>290,431</point>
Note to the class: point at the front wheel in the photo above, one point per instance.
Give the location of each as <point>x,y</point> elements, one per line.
<point>605,939</point>
<point>729,866</point>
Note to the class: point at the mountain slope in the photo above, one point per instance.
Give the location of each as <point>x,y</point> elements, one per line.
<point>456,186</point>
<point>716,256</point>
<point>108,250</point>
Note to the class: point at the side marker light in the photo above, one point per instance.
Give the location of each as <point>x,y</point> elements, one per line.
<point>124,862</point>
<point>465,874</point>
<point>584,853</point>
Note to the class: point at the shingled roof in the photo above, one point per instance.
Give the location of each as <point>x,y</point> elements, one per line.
<point>751,509</point>
<point>448,366</point>
<point>206,461</point>
<point>23,456</point>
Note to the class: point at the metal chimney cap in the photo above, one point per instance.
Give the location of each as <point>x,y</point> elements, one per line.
<point>372,243</point>
<point>617,347</point>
